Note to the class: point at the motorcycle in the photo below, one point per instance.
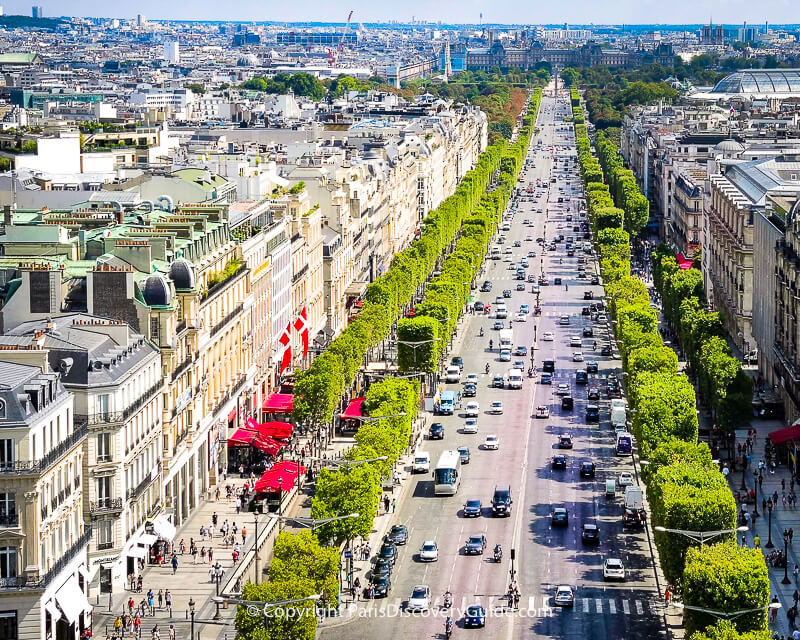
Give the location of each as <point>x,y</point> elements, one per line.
<point>487,367</point>
<point>448,600</point>
<point>448,628</point>
<point>498,554</point>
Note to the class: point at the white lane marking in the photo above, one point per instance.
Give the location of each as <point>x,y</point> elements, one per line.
<point>612,607</point>
<point>626,609</point>
<point>639,608</point>
<point>599,604</point>
<point>531,603</point>
<point>586,605</point>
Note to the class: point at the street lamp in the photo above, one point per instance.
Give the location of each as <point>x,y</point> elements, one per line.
<point>769,544</point>
<point>191,613</point>
<point>217,579</point>
<point>313,523</point>
<point>348,463</point>
<point>700,536</point>
<point>772,606</point>
<point>371,418</point>
<point>416,344</point>
<point>255,546</point>
<point>786,558</point>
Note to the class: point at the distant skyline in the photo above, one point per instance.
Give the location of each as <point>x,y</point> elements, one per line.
<point>454,11</point>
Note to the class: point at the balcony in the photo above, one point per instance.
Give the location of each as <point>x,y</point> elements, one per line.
<point>105,505</point>
<point>183,366</point>
<point>38,467</point>
<point>40,582</point>
<point>222,323</point>
<point>300,274</point>
<point>234,390</point>
<point>146,482</point>
<point>9,520</point>
<point>233,270</point>
<point>116,417</point>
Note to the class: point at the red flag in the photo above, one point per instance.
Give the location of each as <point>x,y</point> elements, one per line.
<point>286,341</point>
<point>302,328</point>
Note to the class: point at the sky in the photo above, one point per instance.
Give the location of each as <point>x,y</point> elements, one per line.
<point>452,11</point>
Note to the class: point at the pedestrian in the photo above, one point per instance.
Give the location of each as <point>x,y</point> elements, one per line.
<point>160,598</point>
<point>171,632</point>
<point>139,581</point>
<point>394,505</point>
<point>182,546</point>
<point>131,604</point>
<point>168,601</point>
<point>151,605</point>
<point>210,555</point>
<point>756,542</point>
<point>667,596</point>
<point>238,504</point>
<point>214,519</point>
<point>386,504</point>
<point>235,556</point>
<point>212,573</point>
<point>194,554</point>
<point>202,555</point>
<point>156,635</point>
<point>174,564</point>
<point>244,536</point>
<point>234,528</point>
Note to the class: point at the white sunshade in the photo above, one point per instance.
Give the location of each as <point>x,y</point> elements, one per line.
<point>55,612</point>
<point>72,600</point>
<point>137,552</point>
<point>147,539</point>
<point>164,528</point>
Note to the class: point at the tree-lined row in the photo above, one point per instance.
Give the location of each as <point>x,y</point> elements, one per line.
<point>685,489</point>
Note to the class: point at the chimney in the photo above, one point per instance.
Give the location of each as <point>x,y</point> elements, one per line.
<point>120,216</point>
<point>8,219</point>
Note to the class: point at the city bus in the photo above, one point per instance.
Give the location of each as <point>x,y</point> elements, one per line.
<point>447,474</point>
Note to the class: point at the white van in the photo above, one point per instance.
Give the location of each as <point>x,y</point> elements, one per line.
<point>514,379</point>
<point>422,462</point>
<point>453,374</point>
<point>501,312</point>
<point>619,414</point>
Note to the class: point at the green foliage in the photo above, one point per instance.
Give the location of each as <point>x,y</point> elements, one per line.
<point>729,578</point>
<point>609,218</point>
<point>673,450</point>
<point>724,630</point>
<point>411,355</point>
<point>298,622</point>
<point>355,489</point>
<point>299,556</point>
<point>297,188</point>
<point>196,87</point>
<point>301,83</point>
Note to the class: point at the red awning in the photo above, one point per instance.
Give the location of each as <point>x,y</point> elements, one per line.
<point>232,415</point>
<point>279,403</point>
<point>267,481</point>
<point>781,436</point>
<point>241,438</point>
<point>267,444</point>
<point>280,430</point>
<point>281,476</point>
<point>683,261</point>
<point>290,466</point>
<point>354,409</point>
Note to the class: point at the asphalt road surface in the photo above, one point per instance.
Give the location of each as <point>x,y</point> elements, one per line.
<point>545,556</point>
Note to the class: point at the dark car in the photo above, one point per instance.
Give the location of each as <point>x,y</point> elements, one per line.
<point>398,534</point>
<point>581,376</point>
<point>475,616</point>
<point>549,366</point>
<point>606,350</point>
<point>556,280</point>
<point>592,413</point>
<point>559,461</point>
<point>565,442</point>
<point>595,280</point>
<point>457,361</point>
<point>506,293</point>
<point>567,403</point>
<point>590,533</point>
<point>486,286</point>
<point>586,311</point>
<point>470,390</point>
<point>498,382</point>
<point>383,567</point>
<point>559,517</point>
<point>477,305</point>
<point>591,366</point>
<point>436,431</point>
<point>633,518</point>
<point>587,469</point>
<point>520,286</point>
<point>475,545</point>
<point>388,551</point>
<point>546,378</point>
<point>472,509</point>
<point>381,586</point>
<point>588,332</point>
<point>613,389</point>
<point>594,393</point>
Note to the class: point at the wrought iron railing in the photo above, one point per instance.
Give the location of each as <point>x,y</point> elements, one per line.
<point>51,457</point>
<point>146,482</point>
<point>105,504</point>
<point>40,582</point>
<point>221,324</point>
<point>108,417</point>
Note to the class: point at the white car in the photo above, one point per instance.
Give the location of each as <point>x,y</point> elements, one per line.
<point>535,288</point>
<point>496,408</point>
<point>420,599</point>
<point>507,258</point>
<point>471,377</point>
<point>577,356</point>
<point>508,251</point>
<point>564,596</point>
<point>470,426</point>
<point>512,266</point>
<point>625,479</point>
<point>562,389</point>
<point>575,341</point>
<point>429,552</point>
<point>613,569</point>
<point>505,355</point>
<point>492,442</point>
<point>521,317</point>
<point>602,318</point>
<point>472,409</point>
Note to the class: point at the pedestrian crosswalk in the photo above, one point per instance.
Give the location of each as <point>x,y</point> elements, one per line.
<point>535,605</point>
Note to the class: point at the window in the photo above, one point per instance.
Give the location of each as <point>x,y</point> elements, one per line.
<point>104,534</point>
<point>102,406</point>
<point>104,488</point>
<point>2,409</point>
<point>8,625</point>
<point>8,509</point>
<point>6,453</point>
<point>8,562</point>
<point>103,447</point>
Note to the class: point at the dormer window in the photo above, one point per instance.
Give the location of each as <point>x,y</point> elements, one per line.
<point>2,410</point>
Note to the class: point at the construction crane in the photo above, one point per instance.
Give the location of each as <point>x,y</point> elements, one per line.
<point>344,33</point>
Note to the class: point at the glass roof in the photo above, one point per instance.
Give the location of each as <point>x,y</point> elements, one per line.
<point>761,81</point>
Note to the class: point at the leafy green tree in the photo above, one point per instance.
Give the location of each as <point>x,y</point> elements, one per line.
<point>725,630</point>
<point>726,577</point>
<point>416,344</point>
<point>608,218</point>
<point>354,489</point>
<point>299,556</point>
<point>673,450</point>
<point>295,622</point>
<point>569,76</point>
